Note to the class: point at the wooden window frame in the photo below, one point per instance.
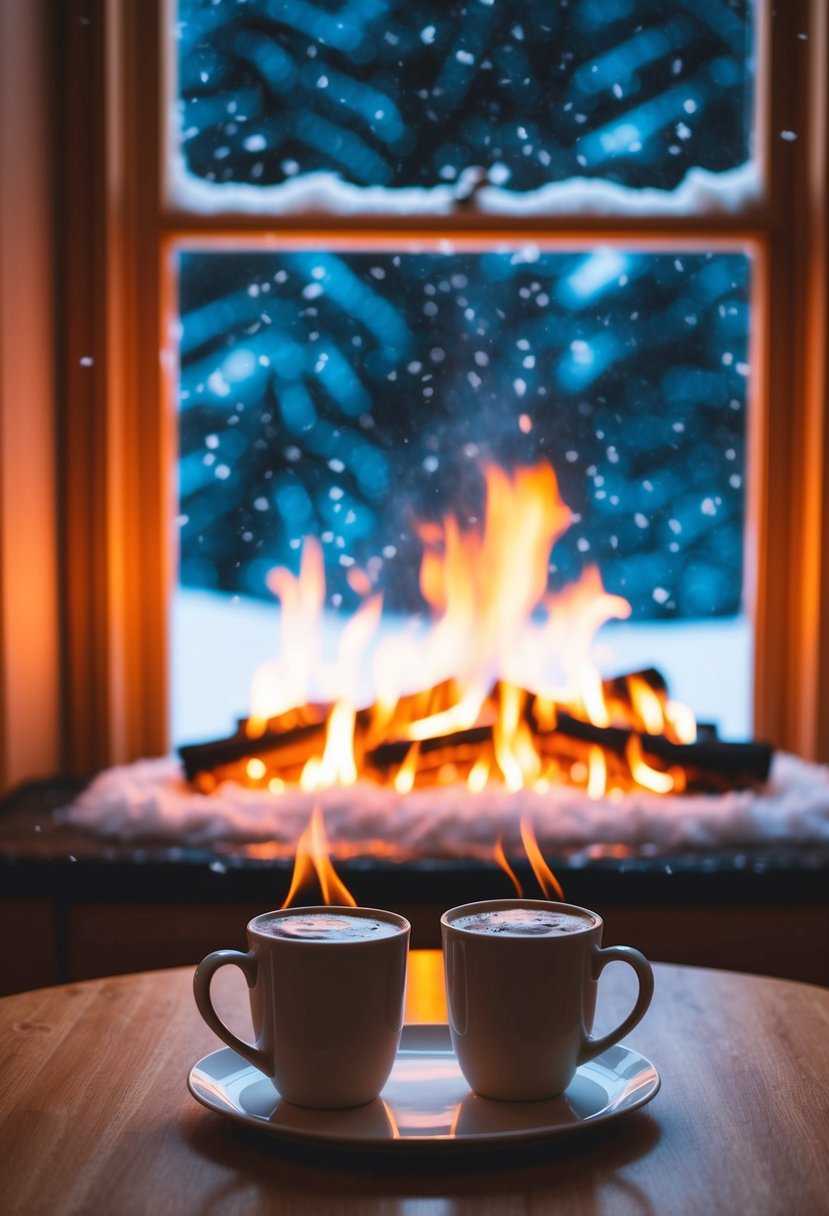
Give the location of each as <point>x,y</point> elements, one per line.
<point>116,428</point>
<point>30,722</point>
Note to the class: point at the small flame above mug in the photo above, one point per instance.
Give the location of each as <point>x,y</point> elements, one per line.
<point>327,988</point>
<point>521,983</point>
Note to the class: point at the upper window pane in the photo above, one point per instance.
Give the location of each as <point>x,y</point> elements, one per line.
<point>395,105</point>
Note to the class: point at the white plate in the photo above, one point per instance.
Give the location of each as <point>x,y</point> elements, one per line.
<point>426,1103</point>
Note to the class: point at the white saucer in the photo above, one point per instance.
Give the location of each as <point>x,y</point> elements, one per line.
<point>426,1104</point>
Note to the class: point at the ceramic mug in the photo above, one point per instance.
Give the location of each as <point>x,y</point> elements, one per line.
<point>521,983</point>
<point>327,987</point>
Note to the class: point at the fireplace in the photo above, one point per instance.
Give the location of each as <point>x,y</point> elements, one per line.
<point>485,778</point>
<point>492,719</point>
<point>94,905</point>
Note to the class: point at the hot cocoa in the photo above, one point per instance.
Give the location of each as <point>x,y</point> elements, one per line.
<point>328,927</point>
<point>524,922</point>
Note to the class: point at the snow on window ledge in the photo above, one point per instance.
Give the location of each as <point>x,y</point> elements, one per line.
<point>700,193</point>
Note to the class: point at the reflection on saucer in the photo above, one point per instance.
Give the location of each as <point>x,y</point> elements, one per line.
<point>487,1117</point>
<point>423,1094</point>
<point>369,1122</point>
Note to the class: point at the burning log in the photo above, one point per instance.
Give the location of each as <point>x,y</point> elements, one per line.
<point>620,686</point>
<point>487,589</point>
<point>711,765</point>
<point>280,747</point>
<point>440,749</point>
<point>287,748</point>
<point>288,740</point>
<point>291,738</point>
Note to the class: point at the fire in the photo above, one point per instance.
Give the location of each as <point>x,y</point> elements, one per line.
<point>337,765</point>
<point>256,769</point>
<point>596,773</point>
<point>478,775</point>
<point>312,857</point>
<point>285,686</point>
<point>484,586</point>
<point>544,875</point>
<point>649,778</point>
<point>405,777</point>
<point>284,683</point>
<point>501,858</point>
<point>647,706</point>
<point>500,690</point>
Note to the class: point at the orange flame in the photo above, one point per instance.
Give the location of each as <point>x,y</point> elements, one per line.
<point>337,765</point>
<point>502,656</point>
<point>648,705</point>
<point>312,857</point>
<point>478,775</point>
<point>484,585</point>
<point>457,717</point>
<point>681,721</point>
<point>517,758</point>
<point>283,683</point>
<point>255,769</point>
<point>405,776</point>
<point>300,672</point>
<point>597,773</point>
<point>544,875</point>
<point>650,778</point>
<point>501,858</point>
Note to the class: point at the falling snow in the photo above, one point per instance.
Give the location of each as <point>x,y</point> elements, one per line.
<point>269,98</point>
<point>367,372</point>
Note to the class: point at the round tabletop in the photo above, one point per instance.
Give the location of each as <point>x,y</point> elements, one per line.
<point>95,1115</point>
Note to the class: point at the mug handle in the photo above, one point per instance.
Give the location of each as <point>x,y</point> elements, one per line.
<point>201,990</point>
<point>626,954</point>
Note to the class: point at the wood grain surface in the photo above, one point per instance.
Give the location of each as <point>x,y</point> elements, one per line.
<point>95,1116</point>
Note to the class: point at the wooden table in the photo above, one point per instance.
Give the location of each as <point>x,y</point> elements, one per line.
<point>95,1116</point>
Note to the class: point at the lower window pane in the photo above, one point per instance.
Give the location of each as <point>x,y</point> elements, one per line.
<point>357,397</point>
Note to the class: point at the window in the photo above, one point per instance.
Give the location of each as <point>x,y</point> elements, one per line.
<point>592,226</point>
<point>343,393</point>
